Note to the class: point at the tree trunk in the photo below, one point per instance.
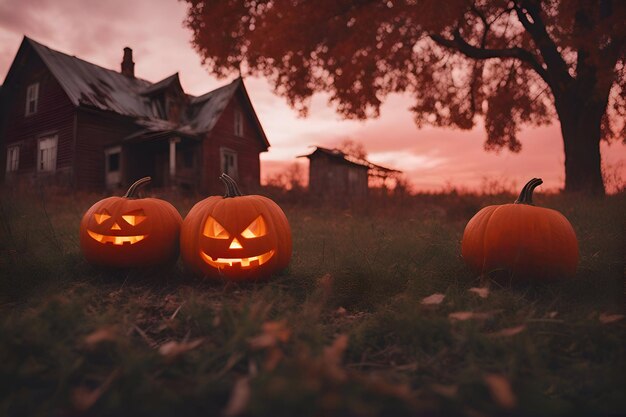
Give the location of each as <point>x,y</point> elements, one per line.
<point>580,119</point>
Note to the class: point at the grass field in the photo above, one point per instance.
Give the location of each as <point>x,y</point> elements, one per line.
<point>350,329</point>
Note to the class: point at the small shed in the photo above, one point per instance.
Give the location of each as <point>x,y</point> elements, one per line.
<point>335,173</point>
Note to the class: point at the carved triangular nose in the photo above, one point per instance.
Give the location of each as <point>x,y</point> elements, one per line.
<point>116,227</point>
<point>235,244</point>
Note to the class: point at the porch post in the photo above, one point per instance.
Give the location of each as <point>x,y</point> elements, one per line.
<point>173,142</point>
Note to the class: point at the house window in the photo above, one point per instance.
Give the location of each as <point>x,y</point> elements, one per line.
<point>13,158</point>
<point>157,108</point>
<point>113,162</point>
<point>32,98</point>
<point>238,123</point>
<point>47,154</point>
<point>229,162</point>
<point>113,167</point>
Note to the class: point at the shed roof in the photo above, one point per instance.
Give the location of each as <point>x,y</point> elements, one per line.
<point>341,157</point>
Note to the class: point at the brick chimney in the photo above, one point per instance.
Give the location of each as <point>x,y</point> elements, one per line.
<point>128,66</point>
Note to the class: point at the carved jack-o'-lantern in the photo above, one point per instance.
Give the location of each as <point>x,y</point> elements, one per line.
<point>236,237</point>
<point>130,232</point>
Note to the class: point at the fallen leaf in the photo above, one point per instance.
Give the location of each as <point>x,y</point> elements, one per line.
<point>334,352</point>
<point>379,385</point>
<point>482,292</point>
<point>277,328</point>
<point>341,311</point>
<point>84,398</point>
<point>332,356</point>
<point>325,284</point>
<point>173,349</point>
<point>433,299</point>
<point>411,367</point>
<point>501,391</point>
<point>510,331</point>
<point>239,398</point>
<point>610,318</point>
<point>448,391</point>
<point>469,315</point>
<point>273,332</point>
<point>552,314</point>
<point>103,334</point>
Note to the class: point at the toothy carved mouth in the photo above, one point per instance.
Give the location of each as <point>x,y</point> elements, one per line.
<point>244,263</point>
<point>116,240</point>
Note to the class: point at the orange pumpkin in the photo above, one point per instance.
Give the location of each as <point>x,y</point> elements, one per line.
<point>235,237</point>
<point>525,240</point>
<point>127,232</point>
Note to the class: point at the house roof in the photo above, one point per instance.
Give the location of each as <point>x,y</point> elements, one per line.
<point>87,84</point>
<point>343,158</point>
<point>90,85</point>
<point>209,107</point>
<point>162,85</point>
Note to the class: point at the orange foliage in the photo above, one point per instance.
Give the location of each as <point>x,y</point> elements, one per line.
<point>508,63</point>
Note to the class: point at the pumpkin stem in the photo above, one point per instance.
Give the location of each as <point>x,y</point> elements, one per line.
<point>526,196</point>
<point>232,190</point>
<point>136,185</point>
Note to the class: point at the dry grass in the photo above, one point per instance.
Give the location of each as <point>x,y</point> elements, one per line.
<point>342,332</point>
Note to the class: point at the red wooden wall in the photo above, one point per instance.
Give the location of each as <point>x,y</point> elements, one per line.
<point>247,147</point>
<point>54,116</point>
<point>95,130</point>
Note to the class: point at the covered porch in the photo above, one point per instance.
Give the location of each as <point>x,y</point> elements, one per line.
<point>170,158</point>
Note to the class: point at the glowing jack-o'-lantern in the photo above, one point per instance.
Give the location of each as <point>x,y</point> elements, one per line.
<point>130,232</point>
<point>235,237</point>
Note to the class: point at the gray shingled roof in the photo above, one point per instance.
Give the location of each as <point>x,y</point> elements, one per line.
<point>87,84</point>
<point>208,107</point>
<point>90,85</point>
<point>161,85</point>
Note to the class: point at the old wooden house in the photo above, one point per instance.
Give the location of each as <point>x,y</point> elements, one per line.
<point>338,175</point>
<point>66,121</point>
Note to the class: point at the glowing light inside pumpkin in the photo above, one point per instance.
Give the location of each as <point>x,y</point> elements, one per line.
<point>214,230</point>
<point>235,244</point>
<point>255,229</point>
<point>134,217</point>
<point>116,240</point>
<point>100,217</point>
<point>244,263</point>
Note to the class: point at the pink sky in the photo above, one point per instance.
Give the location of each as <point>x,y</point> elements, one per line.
<point>432,158</point>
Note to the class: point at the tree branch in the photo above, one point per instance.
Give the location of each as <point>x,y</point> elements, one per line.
<point>557,69</point>
<point>459,44</point>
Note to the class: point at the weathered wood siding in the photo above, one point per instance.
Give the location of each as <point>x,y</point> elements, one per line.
<point>247,148</point>
<point>94,130</point>
<point>54,117</point>
<point>332,179</point>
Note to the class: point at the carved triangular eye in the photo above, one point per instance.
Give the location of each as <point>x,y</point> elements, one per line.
<point>134,217</point>
<point>214,230</point>
<point>100,217</point>
<point>255,229</point>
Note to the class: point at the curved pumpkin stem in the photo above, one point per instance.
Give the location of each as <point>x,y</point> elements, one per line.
<point>232,190</point>
<point>136,185</point>
<point>229,187</point>
<point>526,196</point>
